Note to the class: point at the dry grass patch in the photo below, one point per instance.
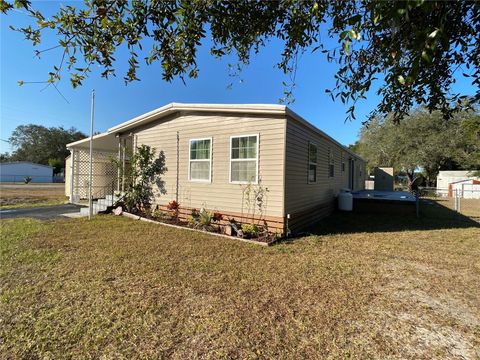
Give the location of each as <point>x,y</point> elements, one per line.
<point>118,288</point>
<point>29,196</point>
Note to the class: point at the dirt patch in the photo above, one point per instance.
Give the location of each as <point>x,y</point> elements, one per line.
<point>31,195</point>
<point>422,320</point>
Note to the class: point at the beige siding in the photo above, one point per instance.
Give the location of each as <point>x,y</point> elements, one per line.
<point>219,194</point>
<point>300,196</point>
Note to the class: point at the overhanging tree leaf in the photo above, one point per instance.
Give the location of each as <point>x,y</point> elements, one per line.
<point>425,42</point>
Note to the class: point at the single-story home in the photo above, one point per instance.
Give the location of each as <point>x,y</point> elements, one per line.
<point>19,171</point>
<point>214,153</point>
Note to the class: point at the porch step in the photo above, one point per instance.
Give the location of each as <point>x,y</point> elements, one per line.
<point>106,202</point>
<point>100,205</point>
<point>96,208</point>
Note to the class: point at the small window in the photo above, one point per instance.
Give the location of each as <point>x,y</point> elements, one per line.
<point>343,163</point>
<point>244,159</point>
<point>200,163</point>
<point>331,164</point>
<point>312,163</point>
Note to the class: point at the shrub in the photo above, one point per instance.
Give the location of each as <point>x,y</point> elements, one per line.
<point>27,179</point>
<point>205,219</point>
<point>144,171</point>
<point>159,214</point>
<point>251,230</point>
<point>195,213</point>
<point>217,217</point>
<point>192,222</point>
<point>173,206</point>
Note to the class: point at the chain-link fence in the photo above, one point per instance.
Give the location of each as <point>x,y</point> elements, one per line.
<point>464,200</point>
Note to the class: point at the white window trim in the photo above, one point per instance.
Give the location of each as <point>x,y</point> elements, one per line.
<point>312,163</point>
<point>205,160</point>
<point>249,159</point>
<point>330,162</point>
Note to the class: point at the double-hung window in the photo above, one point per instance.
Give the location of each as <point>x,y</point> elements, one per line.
<point>244,159</point>
<point>312,163</point>
<point>331,164</point>
<point>200,161</point>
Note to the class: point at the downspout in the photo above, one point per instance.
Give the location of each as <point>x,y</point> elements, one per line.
<point>123,165</point>
<point>178,165</point>
<point>119,168</point>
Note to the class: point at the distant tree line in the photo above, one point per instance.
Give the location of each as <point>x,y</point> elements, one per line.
<point>41,145</point>
<point>422,141</point>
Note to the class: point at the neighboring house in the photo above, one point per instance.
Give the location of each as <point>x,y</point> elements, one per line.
<point>18,171</point>
<point>213,152</point>
<point>447,177</point>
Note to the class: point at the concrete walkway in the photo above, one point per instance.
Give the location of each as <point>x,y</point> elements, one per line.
<point>40,212</point>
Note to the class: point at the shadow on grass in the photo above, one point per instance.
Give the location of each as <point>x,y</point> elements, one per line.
<point>433,216</point>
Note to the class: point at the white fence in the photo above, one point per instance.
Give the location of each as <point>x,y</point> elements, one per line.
<point>463,191</point>
<point>466,191</point>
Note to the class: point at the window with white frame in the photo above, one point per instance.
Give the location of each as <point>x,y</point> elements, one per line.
<point>312,163</point>
<point>244,159</point>
<point>200,161</point>
<point>331,164</point>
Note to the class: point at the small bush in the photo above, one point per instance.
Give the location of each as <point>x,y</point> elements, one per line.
<point>217,217</point>
<point>205,219</point>
<point>159,214</point>
<point>27,179</point>
<point>192,222</point>
<point>251,230</point>
<point>195,213</point>
<point>173,205</point>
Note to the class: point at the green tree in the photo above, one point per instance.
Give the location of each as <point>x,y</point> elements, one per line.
<point>415,47</point>
<point>4,157</point>
<point>57,165</point>
<point>422,141</point>
<point>40,144</point>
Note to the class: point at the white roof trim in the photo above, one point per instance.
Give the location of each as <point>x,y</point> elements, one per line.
<point>174,107</point>
<point>25,162</point>
<point>95,137</point>
<point>267,109</point>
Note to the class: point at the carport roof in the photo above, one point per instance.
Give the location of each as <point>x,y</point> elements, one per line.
<point>104,141</point>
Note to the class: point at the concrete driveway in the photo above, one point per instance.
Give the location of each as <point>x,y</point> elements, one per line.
<point>40,212</point>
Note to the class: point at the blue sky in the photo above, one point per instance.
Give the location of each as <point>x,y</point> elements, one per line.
<point>260,82</point>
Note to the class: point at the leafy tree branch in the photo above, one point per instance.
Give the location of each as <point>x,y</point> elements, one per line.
<point>410,49</point>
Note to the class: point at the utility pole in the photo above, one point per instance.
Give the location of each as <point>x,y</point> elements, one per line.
<point>90,174</point>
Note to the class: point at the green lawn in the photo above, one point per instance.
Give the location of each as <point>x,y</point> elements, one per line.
<point>118,288</point>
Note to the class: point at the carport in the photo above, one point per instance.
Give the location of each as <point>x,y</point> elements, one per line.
<point>109,149</point>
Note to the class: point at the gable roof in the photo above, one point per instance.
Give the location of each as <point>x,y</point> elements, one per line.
<point>261,109</point>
